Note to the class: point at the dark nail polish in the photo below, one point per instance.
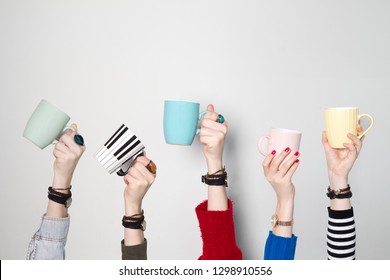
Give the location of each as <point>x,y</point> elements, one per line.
<point>297,161</point>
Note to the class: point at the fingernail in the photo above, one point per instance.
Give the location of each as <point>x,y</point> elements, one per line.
<point>287,150</point>
<point>296,154</point>
<point>297,161</point>
<point>273,152</point>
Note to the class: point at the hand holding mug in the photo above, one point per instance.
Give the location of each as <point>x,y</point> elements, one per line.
<point>138,180</point>
<point>280,176</point>
<point>341,161</point>
<point>212,136</point>
<point>67,153</point>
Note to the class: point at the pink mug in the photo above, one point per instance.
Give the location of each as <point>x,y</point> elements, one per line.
<point>279,139</point>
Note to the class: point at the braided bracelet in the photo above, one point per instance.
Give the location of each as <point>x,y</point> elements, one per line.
<point>216,179</point>
<point>339,193</point>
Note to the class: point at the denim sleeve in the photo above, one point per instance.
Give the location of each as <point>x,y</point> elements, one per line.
<point>48,243</point>
<point>280,248</point>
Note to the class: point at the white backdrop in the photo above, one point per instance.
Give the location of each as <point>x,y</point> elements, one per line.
<point>261,63</point>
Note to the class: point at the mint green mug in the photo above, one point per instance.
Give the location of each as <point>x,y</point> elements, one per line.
<point>46,125</point>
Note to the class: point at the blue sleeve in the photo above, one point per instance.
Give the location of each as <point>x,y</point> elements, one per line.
<point>48,243</point>
<point>280,248</point>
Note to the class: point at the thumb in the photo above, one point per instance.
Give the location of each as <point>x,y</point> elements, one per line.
<point>210,108</point>
<point>74,126</point>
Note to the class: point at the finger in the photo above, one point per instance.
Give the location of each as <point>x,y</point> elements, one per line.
<point>143,171</point>
<point>210,116</point>
<point>267,161</point>
<point>61,147</point>
<point>68,140</point>
<point>275,165</point>
<point>212,124</point>
<point>325,141</point>
<point>149,165</point>
<point>212,132</point>
<point>292,169</point>
<point>286,166</point>
<point>74,126</point>
<point>356,141</point>
<point>210,107</point>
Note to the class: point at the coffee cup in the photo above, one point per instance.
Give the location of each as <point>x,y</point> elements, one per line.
<point>278,139</point>
<point>181,121</point>
<point>340,121</point>
<point>46,125</point>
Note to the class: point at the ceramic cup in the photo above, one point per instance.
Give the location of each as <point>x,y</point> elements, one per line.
<point>46,125</point>
<point>279,139</point>
<point>343,120</point>
<point>181,121</point>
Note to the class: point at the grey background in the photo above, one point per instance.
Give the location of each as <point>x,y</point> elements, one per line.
<point>262,63</point>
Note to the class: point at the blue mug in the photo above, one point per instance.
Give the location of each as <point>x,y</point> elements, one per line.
<point>181,121</point>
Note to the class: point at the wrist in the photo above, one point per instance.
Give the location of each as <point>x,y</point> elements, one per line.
<point>60,182</point>
<point>132,208</point>
<point>338,182</point>
<point>285,209</point>
<point>214,165</point>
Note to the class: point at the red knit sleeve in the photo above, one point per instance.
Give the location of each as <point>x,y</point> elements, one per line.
<point>217,230</point>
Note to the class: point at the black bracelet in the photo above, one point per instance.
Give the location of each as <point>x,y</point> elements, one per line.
<point>216,179</point>
<point>339,193</point>
<point>52,191</point>
<point>66,201</point>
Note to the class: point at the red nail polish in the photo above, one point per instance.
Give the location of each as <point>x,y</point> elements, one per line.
<point>296,154</point>
<point>297,161</point>
<point>273,152</point>
<point>287,150</point>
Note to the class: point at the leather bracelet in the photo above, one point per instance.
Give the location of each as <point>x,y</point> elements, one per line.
<point>136,221</point>
<point>216,179</point>
<point>135,217</point>
<point>61,200</point>
<point>339,193</point>
<point>59,194</point>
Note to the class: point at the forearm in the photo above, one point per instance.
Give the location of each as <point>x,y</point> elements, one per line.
<point>285,212</point>
<point>54,209</point>
<point>133,236</point>
<point>217,195</point>
<point>337,183</point>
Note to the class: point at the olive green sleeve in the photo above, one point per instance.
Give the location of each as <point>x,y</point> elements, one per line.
<point>136,252</point>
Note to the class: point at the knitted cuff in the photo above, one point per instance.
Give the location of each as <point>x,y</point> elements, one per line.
<point>280,248</point>
<point>217,231</point>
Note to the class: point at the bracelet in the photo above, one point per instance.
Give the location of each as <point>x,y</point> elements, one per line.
<point>216,179</point>
<point>66,201</point>
<point>135,217</point>
<point>52,191</point>
<point>339,193</point>
<point>136,221</point>
<point>66,189</point>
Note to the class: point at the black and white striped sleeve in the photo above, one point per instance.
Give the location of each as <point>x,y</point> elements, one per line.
<point>341,235</point>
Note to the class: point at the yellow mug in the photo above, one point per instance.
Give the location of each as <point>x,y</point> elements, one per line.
<point>343,120</point>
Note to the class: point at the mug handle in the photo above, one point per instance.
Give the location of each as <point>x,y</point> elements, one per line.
<point>260,144</point>
<point>65,130</point>
<point>201,114</point>
<point>368,128</point>
<point>128,164</point>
